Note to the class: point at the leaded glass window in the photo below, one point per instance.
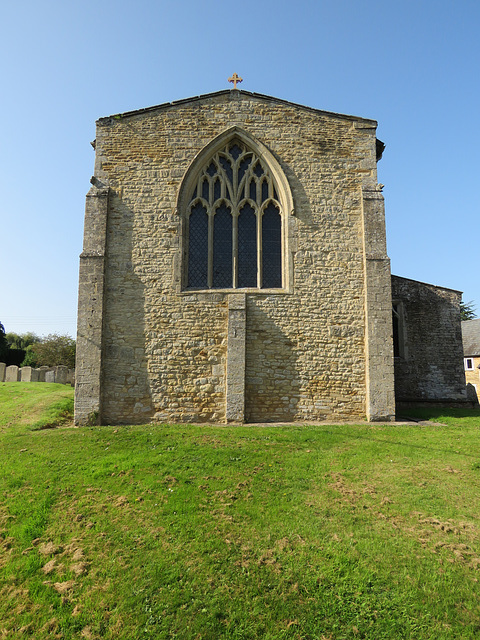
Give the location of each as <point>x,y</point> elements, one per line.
<point>222,248</point>
<point>198,246</point>
<point>272,246</point>
<point>247,247</point>
<point>234,223</point>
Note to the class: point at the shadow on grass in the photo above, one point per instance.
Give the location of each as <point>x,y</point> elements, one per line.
<point>424,415</point>
<point>430,413</point>
<point>412,446</point>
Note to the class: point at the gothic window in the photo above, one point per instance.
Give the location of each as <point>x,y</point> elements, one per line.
<point>234,223</point>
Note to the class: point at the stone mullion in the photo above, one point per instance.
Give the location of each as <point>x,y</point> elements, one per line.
<point>235,179</point>
<point>235,246</point>
<point>223,181</point>
<point>243,184</point>
<point>259,215</point>
<point>223,188</point>
<point>247,177</point>
<point>235,213</point>
<point>186,248</point>
<point>211,217</point>
<point>211,182</point>
<point>259,231</point>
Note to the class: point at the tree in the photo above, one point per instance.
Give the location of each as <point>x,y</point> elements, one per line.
<point>467,310</point>
<point>22,340</point>
<point>54,350</point>
<point>16,348</point>
<point>30,359</point>
<point>3,343</point>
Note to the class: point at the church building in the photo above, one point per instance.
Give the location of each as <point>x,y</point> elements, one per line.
<point>235,269</point>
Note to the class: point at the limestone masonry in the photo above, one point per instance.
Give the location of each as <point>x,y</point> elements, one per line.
<point>234,268</point>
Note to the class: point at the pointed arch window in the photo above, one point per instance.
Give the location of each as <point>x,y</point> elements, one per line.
<point>234,223</point>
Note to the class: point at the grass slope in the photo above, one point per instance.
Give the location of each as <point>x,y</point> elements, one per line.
<point>192,532</point>
<point>36,405</point>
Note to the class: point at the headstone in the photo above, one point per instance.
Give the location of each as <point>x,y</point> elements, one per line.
<point>472,392</point>
<point>71,377</point>
<point>41,373</point>
<point>26,374</point>
<point>34,375</point>
<point>12,373</point>
<point>61,374</point>
<point>3,366</point>
<point>49,376</point>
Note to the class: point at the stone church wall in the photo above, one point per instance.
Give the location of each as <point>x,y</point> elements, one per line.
<point>430,366</point>
<point>164,350</point>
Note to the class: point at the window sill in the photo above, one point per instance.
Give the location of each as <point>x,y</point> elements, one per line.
<point>249,291</point>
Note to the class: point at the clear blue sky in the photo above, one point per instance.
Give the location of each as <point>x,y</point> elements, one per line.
<point>412,65</point>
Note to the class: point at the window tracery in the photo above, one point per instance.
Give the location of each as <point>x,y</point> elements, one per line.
<point>234,223</point>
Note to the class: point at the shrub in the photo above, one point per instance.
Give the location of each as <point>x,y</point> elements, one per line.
<point>54,350</point>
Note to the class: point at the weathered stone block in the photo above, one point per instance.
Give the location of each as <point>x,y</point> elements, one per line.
<point>3,366</point>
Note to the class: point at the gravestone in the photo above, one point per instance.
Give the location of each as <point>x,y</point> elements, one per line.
<point>25,374</point>
<point>49,376</point>
<point>12,373</point>
<point>41,373</point>
<point>61,374</point>
<point>3,366</point>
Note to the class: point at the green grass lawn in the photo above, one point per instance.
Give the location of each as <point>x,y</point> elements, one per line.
<point>200,532</point>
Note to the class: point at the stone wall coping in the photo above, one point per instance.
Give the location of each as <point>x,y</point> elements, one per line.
<point>427,284</point>
<point>234,93</point>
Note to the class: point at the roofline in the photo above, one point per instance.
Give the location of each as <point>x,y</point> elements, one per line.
<point>429,284</point>
<point>223,92</point>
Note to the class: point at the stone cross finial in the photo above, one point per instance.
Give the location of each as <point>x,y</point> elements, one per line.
<point>235,78</point>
